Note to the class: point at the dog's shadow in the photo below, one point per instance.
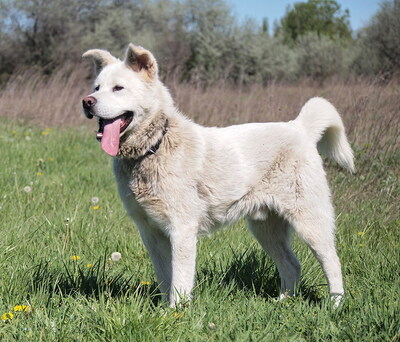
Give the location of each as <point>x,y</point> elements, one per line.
<point>248,271</point>
<point>96,281</point>
<point>251,271</point>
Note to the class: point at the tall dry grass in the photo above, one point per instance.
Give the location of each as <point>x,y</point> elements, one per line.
<point>371,111</point>
<point>45,100</point>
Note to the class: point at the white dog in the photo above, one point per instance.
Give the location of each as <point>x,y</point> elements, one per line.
<point>178,179</point>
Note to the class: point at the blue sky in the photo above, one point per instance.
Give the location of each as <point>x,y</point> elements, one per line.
<point>360,10</point>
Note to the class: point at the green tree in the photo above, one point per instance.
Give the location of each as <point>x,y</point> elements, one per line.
<point>323,17</point>
<point>209,25</point>
<point>44,33</point>
<point>379,42</point>
<point>319,57</point>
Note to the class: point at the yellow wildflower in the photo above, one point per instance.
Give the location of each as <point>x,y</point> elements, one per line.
<point>96,207</point>
<point>46,131</point>
<point>178,314</point>
<point>75,257</point>
<point>7,316</point>
<point>25,308</point>
<point>145,283</point>
<point>89,265</point>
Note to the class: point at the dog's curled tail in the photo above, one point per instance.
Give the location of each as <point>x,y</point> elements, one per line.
<point>325,127</point>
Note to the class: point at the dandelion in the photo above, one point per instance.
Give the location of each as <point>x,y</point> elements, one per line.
<point>27,189</point>
<point>96,207</point>
<point>360,233</point>
<point>95,200</point>
<point>178,315</point>
<point>116,256</point>
<point>23,308</point>
<point>145,283</point>
<point>39,173</point>
<point>89,265</point>
<point>75,257</point>
<point>7,316</point>
<point>46,131</point>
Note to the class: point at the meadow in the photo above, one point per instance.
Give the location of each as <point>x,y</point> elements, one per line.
<point>61,219</point>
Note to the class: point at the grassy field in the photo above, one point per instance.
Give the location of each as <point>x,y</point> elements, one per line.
<point>61,219</point>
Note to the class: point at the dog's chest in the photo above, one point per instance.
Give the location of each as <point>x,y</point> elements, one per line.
<point>139,196</point>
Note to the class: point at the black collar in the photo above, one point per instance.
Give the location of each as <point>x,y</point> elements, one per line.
<point>153,149</point>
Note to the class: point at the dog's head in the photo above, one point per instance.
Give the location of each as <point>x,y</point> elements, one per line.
<point>125,92</point>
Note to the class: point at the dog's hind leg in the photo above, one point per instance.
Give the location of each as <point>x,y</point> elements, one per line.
<point>274,236</point>
<point>317,229</point>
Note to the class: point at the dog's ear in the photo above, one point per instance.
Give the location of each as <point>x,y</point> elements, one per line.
<point>141,60</point>
<point>101,58</point>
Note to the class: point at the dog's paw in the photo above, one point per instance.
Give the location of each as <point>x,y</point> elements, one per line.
<point>337,299</point>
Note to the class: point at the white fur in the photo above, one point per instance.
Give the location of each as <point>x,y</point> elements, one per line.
<point>202,178</point>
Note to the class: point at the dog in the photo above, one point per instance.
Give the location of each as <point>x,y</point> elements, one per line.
<point>178,180</point>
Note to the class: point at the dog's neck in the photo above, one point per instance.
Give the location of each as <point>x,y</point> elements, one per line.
<point>144,140</point>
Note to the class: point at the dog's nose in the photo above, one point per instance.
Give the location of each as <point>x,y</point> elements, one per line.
<point>88,102</point>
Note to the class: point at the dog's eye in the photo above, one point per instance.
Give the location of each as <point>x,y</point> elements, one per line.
<point>97,88</point>
<point>117,88</point>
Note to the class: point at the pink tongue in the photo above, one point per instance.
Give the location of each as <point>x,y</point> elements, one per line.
<point>110,139</point>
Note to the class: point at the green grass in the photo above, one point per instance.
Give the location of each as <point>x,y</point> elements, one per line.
<point>235,296</point>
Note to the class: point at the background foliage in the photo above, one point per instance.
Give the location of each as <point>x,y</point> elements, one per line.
<point>200,40</point>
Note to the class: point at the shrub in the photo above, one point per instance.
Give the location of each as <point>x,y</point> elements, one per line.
<point>318,56</point>
<point>379,48</point>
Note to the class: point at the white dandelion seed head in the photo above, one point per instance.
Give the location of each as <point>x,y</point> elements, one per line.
<point>116,256</point>
<point>27,189</point>
<point>95,200</point>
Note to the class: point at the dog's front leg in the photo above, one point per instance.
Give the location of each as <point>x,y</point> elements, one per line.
<point>183,252</point>
<point>159,247</point>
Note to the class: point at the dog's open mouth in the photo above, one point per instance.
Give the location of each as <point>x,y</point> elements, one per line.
<point>110,131</point>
